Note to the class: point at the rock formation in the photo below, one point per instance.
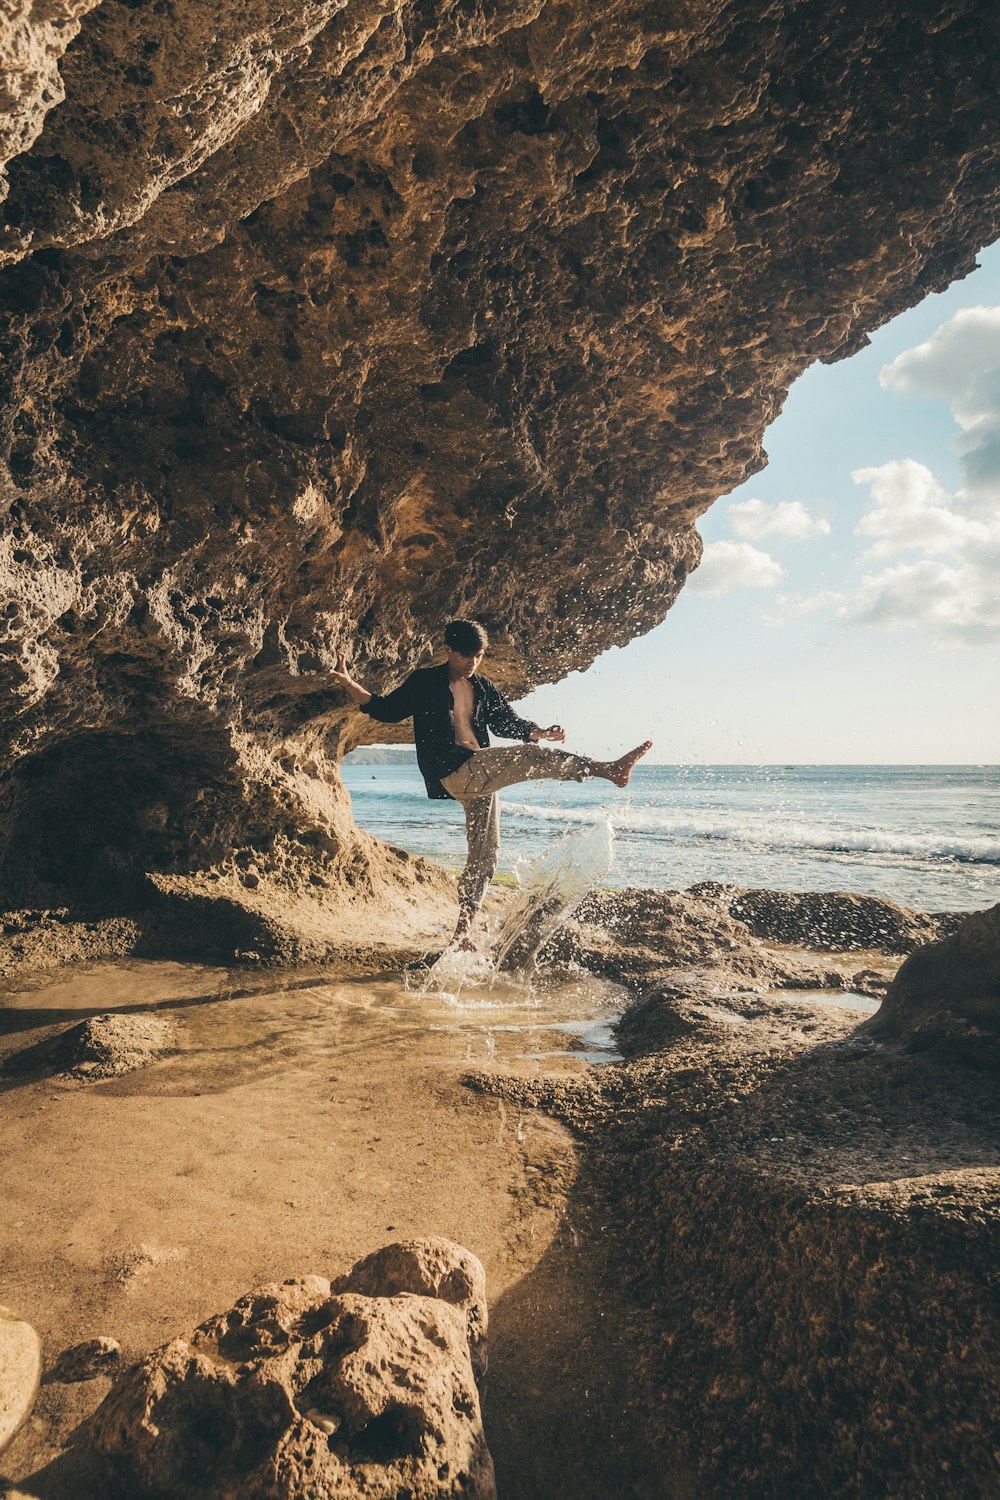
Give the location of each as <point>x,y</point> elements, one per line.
<point>313,314</point>
<point>833,921</point>
<point>634,936</point>
<point>427,1268</point>
<point>809,1222</point>
<point>100,1047</point>
<point>86,1361</point>
<point>300,1391</point>
<point>947,996</point>
<point>20,1372</point>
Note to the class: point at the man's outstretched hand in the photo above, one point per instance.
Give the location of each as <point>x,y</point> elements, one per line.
<point>342,678</point>
<point>554,732</point>
<point>340,675</point>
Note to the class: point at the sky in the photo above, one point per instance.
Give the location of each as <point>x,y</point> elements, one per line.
<point>847,609</point>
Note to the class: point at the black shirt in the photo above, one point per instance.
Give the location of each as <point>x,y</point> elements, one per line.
<point>426,694</point>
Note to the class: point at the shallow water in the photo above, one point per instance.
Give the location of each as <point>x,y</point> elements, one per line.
<point>300,1120</point>
<point>504,1019</point>
<point>840,999</point>
<point>514,1022</point>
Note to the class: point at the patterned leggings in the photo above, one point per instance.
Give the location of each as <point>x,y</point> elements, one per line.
<point>476,783</point>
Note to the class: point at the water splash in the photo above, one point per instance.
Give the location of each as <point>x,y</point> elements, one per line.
<point>456,970</point>
<point>551,887</point>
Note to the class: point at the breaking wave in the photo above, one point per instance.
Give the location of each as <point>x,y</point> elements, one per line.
<point>767,831</point>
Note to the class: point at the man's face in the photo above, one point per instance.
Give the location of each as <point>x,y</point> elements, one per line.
<point>462,665</point>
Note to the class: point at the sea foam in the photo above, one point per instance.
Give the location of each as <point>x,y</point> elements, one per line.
<point>767,831</point>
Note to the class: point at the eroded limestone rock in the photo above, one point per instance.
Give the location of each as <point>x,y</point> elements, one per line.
<point>100,1047</point>
<point>427,1268</point>
<point>836,921</point>
<point>20,1372</point>
<point>947,996</point>
<point>631,934</point>
<point>99,1356</point>
<point>299,1391</point>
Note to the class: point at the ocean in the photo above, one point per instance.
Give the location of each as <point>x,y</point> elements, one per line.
<point>927,837</point>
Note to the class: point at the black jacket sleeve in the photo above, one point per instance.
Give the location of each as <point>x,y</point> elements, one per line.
<point>399,704</point>
<point>501,718</point>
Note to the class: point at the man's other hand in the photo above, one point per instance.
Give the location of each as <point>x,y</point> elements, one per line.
<point>340,675</point>
<point>554,732</point>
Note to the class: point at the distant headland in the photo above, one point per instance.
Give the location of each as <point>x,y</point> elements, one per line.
<point>382,755</point>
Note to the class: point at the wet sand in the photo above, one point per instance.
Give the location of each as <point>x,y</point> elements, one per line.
<point>301,1121</point>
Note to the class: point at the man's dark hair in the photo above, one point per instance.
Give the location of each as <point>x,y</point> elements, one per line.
<point>466,636</point>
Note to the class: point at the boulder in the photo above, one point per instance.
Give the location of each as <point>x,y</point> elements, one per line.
<point>947,995</point>
<point>20,1372</point>
<point>631,934</point>
<point>100,1356</point>
<point>427,1268</point>
<point>101,1047</point>
<point>301,1392</point>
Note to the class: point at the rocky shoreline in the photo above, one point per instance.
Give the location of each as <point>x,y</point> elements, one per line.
<point>804,1203</point>
<point>792,1206</point>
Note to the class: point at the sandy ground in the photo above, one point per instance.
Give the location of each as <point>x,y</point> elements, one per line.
<point>300,1122</point>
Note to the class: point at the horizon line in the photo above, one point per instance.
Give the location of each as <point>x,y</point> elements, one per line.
<point>645,765</point>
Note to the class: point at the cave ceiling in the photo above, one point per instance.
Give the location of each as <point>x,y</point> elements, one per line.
<point>324,322</point>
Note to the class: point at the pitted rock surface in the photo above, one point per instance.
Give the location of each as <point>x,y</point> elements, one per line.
<point>301,1392</point>
<point>427,1268</point>
<point>323,323</point>
<point>20,1372</point>
<point>101,1047</point>
<point>946,997</point>
<point>100,1356</point>
<point>631,934</point>
<point>835,921</point>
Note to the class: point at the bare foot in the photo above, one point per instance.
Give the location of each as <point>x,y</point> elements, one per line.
<point>620,770</point>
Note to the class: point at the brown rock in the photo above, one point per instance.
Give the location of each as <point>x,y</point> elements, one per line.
<point>20,1372</point>
<point>32,43</point>
<point>634,933</point>
<point>427,1268</point>
<point>299,1392</point>
<point>869,982</point>
<point>100,1356</point>
<point>947,995</point>
<point>101,1047</point>
<point>833,920</point>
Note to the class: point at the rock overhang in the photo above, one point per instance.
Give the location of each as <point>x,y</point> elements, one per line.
<point>324,325</point>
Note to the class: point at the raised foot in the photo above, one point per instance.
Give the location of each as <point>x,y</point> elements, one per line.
<point>620,770</point>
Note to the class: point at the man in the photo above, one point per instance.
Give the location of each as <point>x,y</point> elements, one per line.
<point>454,709</point>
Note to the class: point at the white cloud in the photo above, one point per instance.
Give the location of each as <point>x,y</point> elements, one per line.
<point>960,364</point>
<point>799,605</point>
<point>952,591</point>
<point>753,519</point>
<point>959,605</point>
<point>734,565</point>
<point>811,604</point>
<point>913,511</point>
